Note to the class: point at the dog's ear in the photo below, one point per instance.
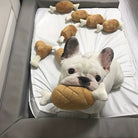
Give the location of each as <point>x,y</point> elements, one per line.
<point>106,56</point>
<point>71,48</point>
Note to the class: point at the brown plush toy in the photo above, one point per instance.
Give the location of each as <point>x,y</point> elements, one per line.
<point>72,98</point>
<point>64,7</point>
<point>67,32</point>
<point>42,50</point>
<point>92,21</point>
<point>109,26</point>
<point>59,53</point>
<point>77,15</point>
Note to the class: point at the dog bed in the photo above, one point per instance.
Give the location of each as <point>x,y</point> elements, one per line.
<point>15,118</point>
<point>47,27</point>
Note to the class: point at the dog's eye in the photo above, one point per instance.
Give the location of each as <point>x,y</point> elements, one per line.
<point>71,71</point>
<point>98,78</point>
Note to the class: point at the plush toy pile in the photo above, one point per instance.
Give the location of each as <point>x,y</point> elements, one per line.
<point>84,18</point>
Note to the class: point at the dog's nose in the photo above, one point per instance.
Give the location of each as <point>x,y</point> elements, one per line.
<point>84,81</point>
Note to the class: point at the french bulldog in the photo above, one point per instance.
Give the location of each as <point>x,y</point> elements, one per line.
<point>91,70</point>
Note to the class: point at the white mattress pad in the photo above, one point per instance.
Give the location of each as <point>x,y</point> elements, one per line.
<point>47,27</point>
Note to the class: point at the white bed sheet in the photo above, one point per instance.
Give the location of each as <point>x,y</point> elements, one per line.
<point>128,9</point>
<point>47,28</point>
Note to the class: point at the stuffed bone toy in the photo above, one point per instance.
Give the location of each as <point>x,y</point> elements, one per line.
<point>109,26</point>
<point>92,20</point>
<point>42,50</point>
<point>92,71</point>
<point>77,15</point>
<point>64,7</point>
<point>67,32</point>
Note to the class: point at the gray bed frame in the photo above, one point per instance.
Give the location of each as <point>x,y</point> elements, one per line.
<point>15,118</point>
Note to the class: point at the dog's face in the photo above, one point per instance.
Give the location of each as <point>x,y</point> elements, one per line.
<point>86,70</point>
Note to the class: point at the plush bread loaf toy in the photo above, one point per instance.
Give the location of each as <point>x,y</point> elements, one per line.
<point>72,97</point>
<point>77,15</point>
<point>64,7</point>
<point>67,32</point>
<point>42,50</point>
<point>69,97</point>
<point>92,21</point>
<point>109,26</point>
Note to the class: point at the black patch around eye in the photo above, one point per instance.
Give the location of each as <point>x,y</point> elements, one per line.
<point>98,78</point>
<point>71,71</point>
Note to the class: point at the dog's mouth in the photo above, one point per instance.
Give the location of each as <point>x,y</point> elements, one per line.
<point>80,82</point>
